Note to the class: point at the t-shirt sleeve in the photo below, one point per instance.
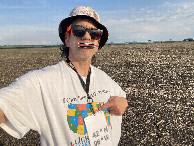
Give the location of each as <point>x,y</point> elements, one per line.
<point>14,102</point>
<point>116,90</point>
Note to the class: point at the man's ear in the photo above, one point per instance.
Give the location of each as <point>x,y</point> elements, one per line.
<point>67,40</point>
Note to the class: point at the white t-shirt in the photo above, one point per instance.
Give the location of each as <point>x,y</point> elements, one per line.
<point>53,102</point>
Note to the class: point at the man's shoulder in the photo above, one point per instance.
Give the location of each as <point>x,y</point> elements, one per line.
<point>97,70</point>
<point>100,73</point>
<point>54,67</point>
<point>48,71</point>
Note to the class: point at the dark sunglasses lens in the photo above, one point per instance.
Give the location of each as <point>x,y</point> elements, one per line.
<point>78,32</point>
<point>95,34</point>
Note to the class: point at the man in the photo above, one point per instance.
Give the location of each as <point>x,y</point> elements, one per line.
<point>55,100</point>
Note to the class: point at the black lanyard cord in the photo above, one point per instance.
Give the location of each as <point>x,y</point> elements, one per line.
<point>84,85</point>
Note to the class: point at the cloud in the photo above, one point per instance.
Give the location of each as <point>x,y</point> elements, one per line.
<point>35,42</point>
<point>163,22</point>
<point>23,4</point>
<point>170,21</point>
<point>26,35</point>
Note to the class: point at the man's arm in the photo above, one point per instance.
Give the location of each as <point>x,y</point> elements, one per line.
<point>116,105</point>
<point>3,118</point>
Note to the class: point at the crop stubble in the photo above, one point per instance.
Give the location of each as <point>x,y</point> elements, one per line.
<point>157,77</point>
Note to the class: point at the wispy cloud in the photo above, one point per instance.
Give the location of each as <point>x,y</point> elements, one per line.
<point>23,4</point>
<point>163,23</point>
<point>23,34</point>
<point>32,23</point>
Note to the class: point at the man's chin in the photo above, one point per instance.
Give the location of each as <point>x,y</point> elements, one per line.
<point>86,57</point>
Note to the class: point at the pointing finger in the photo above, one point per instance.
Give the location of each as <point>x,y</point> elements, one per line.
<point>105,106</point>
<point>111,98</point>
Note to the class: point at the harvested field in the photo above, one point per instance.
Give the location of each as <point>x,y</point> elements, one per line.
<point>158,79</point>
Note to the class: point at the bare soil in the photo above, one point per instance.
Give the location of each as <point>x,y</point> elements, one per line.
<point>157,77</point>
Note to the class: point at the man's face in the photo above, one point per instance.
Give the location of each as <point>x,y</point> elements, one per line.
<point>79,53</point>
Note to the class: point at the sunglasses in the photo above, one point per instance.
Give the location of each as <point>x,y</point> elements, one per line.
<point>80,31</point>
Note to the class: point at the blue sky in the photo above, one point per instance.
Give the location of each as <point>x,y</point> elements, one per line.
<point>35,22</point>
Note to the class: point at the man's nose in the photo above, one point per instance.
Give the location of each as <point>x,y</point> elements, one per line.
<point>86,36</point>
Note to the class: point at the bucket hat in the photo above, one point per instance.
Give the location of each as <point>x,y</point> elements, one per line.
<point>83,12</point>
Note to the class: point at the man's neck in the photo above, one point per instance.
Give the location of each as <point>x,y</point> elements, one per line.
<point>82,67</point>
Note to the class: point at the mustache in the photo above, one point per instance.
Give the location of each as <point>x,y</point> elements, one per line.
<point>87,45</point>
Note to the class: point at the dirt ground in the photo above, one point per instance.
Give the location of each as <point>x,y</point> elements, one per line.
<point>157,77</point>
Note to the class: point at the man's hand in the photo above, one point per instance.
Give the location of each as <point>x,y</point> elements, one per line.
<point>3,118</point>
<point>116,105</point>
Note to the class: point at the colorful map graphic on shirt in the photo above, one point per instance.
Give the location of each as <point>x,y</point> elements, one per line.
<point>77,112</point>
